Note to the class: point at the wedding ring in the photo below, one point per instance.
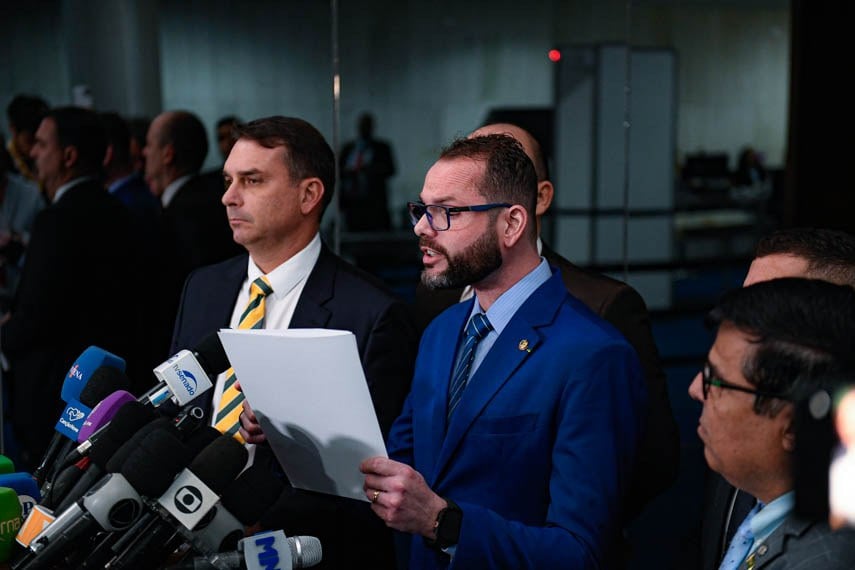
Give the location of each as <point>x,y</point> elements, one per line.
<point>375,496</point>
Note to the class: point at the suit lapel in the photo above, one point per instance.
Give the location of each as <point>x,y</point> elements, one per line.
<point>773,546</point>
<point>310,311</point>
<point>507,354</point>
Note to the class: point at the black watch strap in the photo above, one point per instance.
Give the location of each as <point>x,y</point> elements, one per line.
<point>446,527</point>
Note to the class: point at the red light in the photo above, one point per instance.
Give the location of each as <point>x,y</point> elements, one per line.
<point>554,55</point>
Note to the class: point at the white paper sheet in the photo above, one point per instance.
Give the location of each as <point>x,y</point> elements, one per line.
<point>307,388</point>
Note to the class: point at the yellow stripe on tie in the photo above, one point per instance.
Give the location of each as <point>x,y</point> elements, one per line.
<point>231,403</point>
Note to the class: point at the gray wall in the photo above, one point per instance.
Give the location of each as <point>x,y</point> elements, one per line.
<point>428,70</point>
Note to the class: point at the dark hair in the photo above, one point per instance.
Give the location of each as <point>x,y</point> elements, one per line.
<point>82,129</point>
<point>186,133</point>
<point>25,112</point>
<point>803,331</point>
<point>138,127</point>
<point>227,120</point>
<point>118,137</point>
<point>307,154</point>
<point>509,175</point>
<point>830,253</point>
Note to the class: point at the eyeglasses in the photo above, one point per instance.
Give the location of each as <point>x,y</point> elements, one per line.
<point>439,217</point>
<point>710,379</point>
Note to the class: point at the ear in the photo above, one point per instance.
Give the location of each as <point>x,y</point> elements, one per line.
<point>514,224</point>
<point>69,157</point>
<point>168,153</point>
<point>788,433</point>
<point>545,193</point>
<point>311,195</point>
<point>108,156</point>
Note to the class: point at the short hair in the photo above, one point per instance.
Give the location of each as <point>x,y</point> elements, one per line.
<point>118,137</point>
<point>307,153</point>
<point>803,331</point>
<point>227,120</point>
<point>509,175</point>
<point>186,133</point>
<point>82,129</point>
<point>830,253</point>
<point>25,112</point>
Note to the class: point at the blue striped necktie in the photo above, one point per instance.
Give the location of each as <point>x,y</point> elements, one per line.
<point>476,329</point>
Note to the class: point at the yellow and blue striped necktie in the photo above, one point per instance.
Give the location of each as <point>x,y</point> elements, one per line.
<point>231,404</point>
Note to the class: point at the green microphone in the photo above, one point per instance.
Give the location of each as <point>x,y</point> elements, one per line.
<point>6,465</point>
<point>10,521</point>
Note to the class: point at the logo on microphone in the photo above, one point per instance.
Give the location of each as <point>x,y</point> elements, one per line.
<point>187,380</point>
<point>74,414</point>
<point>75,372</point>
<point>27,504</point>
<point>268,556</point>
<point>188,499</point>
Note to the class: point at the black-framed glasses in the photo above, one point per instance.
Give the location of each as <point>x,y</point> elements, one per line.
<point>708,379</point>
<point>439,217</point>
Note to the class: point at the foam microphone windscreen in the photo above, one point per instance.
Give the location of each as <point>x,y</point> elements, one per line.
<point>212,355</point>
<point>114,464</point>
<point>250,495</point>
<point>10,521</point>
<point>219,463</point>
<point>129,419</point>
<point>153,465</point>
<point>104,380</point>
<point>86,364</point>
<point>103,413</point>
<point>200,438</point>
<point>6,465</point>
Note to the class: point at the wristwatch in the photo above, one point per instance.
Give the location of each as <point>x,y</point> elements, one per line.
<point>447,527</point>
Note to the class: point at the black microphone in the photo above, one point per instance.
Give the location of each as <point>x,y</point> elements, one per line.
<point>114,503</point>
<point>192,495</point>
<point>130,419</point>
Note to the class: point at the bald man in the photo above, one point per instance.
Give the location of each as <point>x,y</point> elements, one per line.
<point>617,303</point>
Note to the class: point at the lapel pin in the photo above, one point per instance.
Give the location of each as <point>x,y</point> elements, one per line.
<point>523,345</point>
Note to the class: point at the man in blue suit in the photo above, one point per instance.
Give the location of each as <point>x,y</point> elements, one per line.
<point>517,441</point>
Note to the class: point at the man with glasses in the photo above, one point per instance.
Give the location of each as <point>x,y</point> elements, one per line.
<point>517,441</point>
<point>776,342</point>
<point>815,253</point>
<point>622,307</point>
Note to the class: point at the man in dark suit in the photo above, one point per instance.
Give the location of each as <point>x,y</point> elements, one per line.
<point>280,176</point>
<point>815,253</point>
<point>79,282</point>
<point>777,342</point>
<point>513,451</point>
<point>621,306</point>
<point>194,228</point>
<point>366,163</point>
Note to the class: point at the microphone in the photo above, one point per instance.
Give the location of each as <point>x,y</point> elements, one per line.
<point>271,549</point>
<point>25,488</point>
<point>6,465</point>
<point>10,521</point>
<point>115,503</point>
<point>248,496</point>
<point>185,375</point>
<point>83,388</point>
<point>67,475</point>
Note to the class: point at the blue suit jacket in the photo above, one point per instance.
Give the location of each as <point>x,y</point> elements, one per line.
<point>539,452</point>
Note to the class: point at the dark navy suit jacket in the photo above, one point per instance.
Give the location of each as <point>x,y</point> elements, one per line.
<point>336,296</point>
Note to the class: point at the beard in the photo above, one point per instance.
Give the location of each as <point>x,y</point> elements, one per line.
<point>470,266</point>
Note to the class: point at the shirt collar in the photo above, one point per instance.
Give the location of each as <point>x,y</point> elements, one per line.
<point>120,182</point>
<point>172,189</point>
<point>69,185</point>
<point>288,274</point>
<point>502,310</point>
<point>770,517</point>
